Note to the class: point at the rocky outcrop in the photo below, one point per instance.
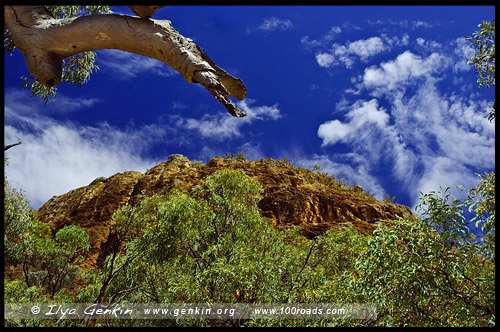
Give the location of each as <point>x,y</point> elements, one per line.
<point>292,196</point>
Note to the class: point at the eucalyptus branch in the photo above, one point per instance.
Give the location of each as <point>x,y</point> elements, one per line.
<point>46,41</point>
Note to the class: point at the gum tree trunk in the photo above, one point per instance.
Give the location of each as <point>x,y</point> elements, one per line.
<point>46,41</point>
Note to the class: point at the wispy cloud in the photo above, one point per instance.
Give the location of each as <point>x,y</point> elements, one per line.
<point>273,24</point>
<point>19,103</point>
<point>221,126</point>
<point>329,55</point>
<point>126,65</point>
<point>363,114</point>
<point>428,45</point>
<point>404,24</point>
<point>324,41</point>
<point>406,69</point>
<point>421,24</point>
<point>251,151</point>
<point>347,54</point>
<point>365,48</point>
<point>178,105</point>
<point>425,136</point>
<point>57,156</point>
<point>463,51</point>
<point>61,157</point>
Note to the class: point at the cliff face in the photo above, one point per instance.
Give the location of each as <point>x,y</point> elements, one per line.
<point>292,196</point>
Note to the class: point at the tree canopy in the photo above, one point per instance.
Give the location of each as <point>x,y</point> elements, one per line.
<point>483,42</point>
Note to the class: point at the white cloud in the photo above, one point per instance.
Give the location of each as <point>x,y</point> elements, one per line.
<point>347,54</point>
<point>333,131</point>
<point>395,41</point>
<point>309,43</point>
<point>401,24</point>
<point>421,24</point>
<point>428,45</point>
<point>441,173</point>
<point>332,34</point>
<point>405,24</point>
<point>351,26</point>
<point>122,10</point>
<point>251,151</point>
<point>126,65</point>
<point>324,59</point>
<point>221,126</point>
<point>463,51</point>
<point>273,23</point>
<point>405,39</point>
<point>365,48</point>
<point>175,105</point>
<point>361,113</point>
<point>406,69</point>
<point>19,103</point>
<point>57,156</point>
<point>329,36</point>
<point>425,137</point>
<point>60,157</point>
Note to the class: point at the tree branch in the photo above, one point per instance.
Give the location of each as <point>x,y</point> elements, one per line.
<point>6,147</point>
<point>145,11</point>
<point>46,41</point>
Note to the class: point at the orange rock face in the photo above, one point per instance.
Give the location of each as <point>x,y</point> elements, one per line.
<point>292,196</point>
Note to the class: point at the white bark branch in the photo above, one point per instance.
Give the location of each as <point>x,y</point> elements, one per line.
<point>46,41</point>
<point>145,11</point>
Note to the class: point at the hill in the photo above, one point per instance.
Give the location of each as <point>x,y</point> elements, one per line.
<point>292,196</point>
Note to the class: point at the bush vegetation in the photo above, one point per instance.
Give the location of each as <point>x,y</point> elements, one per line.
<point>211,245</point>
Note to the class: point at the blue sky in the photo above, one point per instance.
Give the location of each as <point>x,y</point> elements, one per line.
<point>379,96</point>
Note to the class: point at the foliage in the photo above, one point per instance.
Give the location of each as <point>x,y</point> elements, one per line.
<point>211,245</point>
<point>18,220</point>
<point>481,201</point>
<point>285,160</point>
<point>197,163</point>
<point>389,199</point>
<point>204,238</point>
<point>368,193</point>
<point>48,262</point>
<point>430,271</point>
<point>55,260</point>
<point>483,42</point>
<point>237,156</point>
<point>220,248</point>
<point>77,68</point>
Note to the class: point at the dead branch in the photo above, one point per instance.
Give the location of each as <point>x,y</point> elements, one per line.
<point>6,147</point>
